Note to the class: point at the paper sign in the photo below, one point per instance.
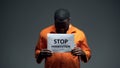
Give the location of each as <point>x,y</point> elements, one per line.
<point>60,42</point>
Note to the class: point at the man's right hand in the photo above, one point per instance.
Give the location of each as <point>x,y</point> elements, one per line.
<point>45,53</point>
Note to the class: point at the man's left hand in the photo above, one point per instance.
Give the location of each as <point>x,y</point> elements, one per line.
<point>77,51</point>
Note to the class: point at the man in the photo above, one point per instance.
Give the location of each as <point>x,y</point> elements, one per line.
<point>67,59</point>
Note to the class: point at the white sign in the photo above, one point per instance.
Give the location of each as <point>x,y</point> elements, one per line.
<point>60,42</point>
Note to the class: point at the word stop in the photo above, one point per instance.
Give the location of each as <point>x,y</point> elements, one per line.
<point>60,41</point>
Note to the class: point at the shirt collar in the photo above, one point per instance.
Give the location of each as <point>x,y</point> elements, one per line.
<point>70,30</point>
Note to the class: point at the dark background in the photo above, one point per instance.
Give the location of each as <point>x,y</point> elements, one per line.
<point>22,20</point>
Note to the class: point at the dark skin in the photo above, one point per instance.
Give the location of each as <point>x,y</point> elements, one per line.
<point>61,27</point>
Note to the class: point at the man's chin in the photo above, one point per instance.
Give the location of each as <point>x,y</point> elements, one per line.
<point>62,32</point>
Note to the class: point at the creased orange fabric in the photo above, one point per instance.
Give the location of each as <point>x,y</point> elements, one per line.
<point>63,60</point>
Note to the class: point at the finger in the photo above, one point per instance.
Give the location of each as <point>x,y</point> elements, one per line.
<point>77,53</point>
<point>49,54</point>
<point>46,53</point>
<point>45,50</point>
<point>77,48</point>
<point>73,51</point>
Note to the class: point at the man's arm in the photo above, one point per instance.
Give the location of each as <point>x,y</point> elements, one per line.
<point>77,51</point>
<point>82,50</point>
<point>40,51</point>
<point>43,54</point>
<point>84,46</point>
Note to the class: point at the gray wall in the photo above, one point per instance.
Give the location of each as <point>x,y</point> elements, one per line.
<point>22,20</point>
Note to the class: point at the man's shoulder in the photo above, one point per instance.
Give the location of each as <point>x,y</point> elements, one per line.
<point>78,30</point>
<point>47,29</point>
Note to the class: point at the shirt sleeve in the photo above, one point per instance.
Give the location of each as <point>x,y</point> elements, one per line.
<point>84,46</point>
<point>40,45</point>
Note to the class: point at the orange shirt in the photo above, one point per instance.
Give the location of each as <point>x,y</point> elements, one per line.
<point>63,60</point>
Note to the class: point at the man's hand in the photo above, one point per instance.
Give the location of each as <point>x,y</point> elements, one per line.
<point>45,53</point>
<point>77,51</point>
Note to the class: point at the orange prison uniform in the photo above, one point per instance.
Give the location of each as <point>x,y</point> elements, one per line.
<point>63,60</point>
